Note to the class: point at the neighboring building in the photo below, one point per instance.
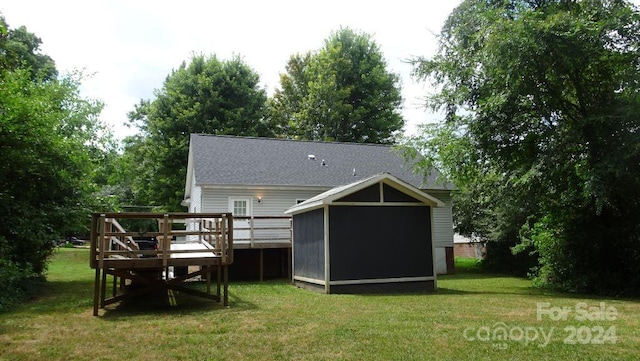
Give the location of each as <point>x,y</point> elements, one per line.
<point>259,178</point>
<point>467,248</point>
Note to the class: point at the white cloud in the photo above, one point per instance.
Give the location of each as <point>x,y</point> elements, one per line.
<point>131,46</point>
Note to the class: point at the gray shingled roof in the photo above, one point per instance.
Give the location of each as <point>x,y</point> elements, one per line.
<point>229,160</point>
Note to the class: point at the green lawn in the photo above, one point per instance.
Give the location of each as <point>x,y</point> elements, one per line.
<point>276,321</point>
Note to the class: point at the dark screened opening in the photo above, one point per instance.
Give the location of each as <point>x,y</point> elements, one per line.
<point>379,242</point>
<point>308,238</point>
<point>393,195</point>
<point>369,194</point>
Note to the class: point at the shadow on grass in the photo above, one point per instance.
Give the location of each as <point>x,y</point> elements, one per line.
<point>47,298</point>
<point>163,302</point>
<point>528,291</point>
<point>507,291</point>
<point>469,269</point>
<point>494,288</point>
<point>59,297</point>
<point>447,291</point>
<point>473,275</point>
<point>522,291</point>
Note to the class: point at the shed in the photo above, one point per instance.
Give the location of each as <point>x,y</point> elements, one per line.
<point>373,235</point>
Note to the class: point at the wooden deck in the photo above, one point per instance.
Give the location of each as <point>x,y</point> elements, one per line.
<point>206,247</point>
<point>262,232</point>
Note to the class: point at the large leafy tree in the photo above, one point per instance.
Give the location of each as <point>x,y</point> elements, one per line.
<point>50,137</point>
<point>205,96</point>
<point>542,134</point>
<point>342,92</point>
<point>19,49</point>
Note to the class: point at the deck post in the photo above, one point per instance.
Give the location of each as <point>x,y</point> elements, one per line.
<point>165,243</point>
<point>218,278</point>
<point>103,288</point>
<point>218,234</point>
<point>229,240</point>
<point>225,277</point>
<point>115,285</point>
<point>223,230</point>
<point>289,265</point>
<point>208,275</point>
<point>101,243</point>
<point>96,292</point>
<point>251,232</point>
<point>261,264</point>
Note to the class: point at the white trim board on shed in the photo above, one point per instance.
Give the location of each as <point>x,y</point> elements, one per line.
<point>332,196</point>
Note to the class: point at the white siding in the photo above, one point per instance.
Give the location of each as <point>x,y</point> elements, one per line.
<point>441,261</point>
<point>195,206</point>
<point>196,199</point>
<point>443,220</point>
<point>273,201</point>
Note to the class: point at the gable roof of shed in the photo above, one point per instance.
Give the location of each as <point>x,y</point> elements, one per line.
<point>336,193</point>
<point>247,161</point>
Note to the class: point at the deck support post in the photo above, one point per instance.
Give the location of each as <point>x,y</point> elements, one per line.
<point>261,270</point>
<point>96,292</point>
<point>218,279</point>
<point>208,275</point>
<point>115,285</point>
<point>103,288</point>
<point>225,276</point>
<point>289,265</point>
<point>166,242</point>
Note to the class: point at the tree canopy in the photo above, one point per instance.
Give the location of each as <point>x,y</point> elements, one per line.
<point>20,49</point>
<point>50,138</point>
<point>542,134</point>
<point>205,96</point>
<point>342,92</point>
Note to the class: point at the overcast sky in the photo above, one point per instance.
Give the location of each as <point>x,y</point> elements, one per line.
<point>130,46</point>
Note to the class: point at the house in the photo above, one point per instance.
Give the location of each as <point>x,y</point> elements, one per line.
<point>258,179</point>
<point>373,235</point>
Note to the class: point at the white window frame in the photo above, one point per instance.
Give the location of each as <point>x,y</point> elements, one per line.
<point>249,202</point>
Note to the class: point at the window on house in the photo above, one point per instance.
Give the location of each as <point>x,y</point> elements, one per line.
<point>240,208</point>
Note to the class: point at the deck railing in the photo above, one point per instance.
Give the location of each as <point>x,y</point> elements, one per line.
<point>262,232</point>
<point>109,240</point>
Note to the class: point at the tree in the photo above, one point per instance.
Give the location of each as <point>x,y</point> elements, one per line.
<point>206,96</point>
<point>49,140</point>
<point>342,92</point>
<point>542,133</point>
<point>19,49</point>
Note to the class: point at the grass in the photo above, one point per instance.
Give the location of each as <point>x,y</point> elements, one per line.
<point>276,321</point>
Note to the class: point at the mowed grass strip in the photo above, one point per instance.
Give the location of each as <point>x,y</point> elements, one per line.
<point>277,321</point>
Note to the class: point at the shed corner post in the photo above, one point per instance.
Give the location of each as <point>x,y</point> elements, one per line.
<point>290,252</point>
<point>327,263</point>
<point>433,249</point>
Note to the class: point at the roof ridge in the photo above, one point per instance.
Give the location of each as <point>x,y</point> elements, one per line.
<point>291,140</point>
